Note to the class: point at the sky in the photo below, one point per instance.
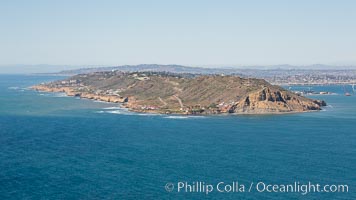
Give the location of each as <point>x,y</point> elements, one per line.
<point>186,32</point>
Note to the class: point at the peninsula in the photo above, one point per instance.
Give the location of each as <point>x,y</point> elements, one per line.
<point>171,93</point>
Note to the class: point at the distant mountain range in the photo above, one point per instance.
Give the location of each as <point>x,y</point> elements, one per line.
<point>278,74</point>
<point>153,68</point>
<point>216,69</point>
<point>247,71</point>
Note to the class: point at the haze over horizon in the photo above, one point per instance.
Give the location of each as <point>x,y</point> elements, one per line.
<point>199,33</point>
<point>44,68</point>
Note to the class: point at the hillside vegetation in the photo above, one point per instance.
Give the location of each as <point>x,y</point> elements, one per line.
<point>184,93</point>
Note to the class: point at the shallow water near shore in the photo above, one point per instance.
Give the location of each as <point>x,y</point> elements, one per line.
<point>58,147</point>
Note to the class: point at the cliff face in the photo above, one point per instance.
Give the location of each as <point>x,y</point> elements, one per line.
<point>162,93</point>
<point>272,100</point>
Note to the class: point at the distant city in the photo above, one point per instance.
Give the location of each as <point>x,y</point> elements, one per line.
<point>306,77</point>
<point>280,75</point>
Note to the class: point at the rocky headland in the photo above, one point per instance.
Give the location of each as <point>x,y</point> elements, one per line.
<point>161,92</point>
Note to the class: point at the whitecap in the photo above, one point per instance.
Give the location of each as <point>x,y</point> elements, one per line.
<point>124,111</point>
<point>112,108</point>
<point>98,101</point>
<point>13,88</point>
<point>176,117</point>
<point>57,95</point>
<point>147,114</point>
<point>115,110</point>
<point>118,112</point>
<point>182,117</point>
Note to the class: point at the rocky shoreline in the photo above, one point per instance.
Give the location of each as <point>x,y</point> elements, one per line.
<point>71,92</point>
<point>264,101</point>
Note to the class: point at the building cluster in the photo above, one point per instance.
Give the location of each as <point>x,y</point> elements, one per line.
<point>313,78</point>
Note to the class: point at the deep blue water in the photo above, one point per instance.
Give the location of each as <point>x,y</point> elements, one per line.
<point>55,147</point>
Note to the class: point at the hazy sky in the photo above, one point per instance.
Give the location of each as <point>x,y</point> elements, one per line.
<point>188,32</point>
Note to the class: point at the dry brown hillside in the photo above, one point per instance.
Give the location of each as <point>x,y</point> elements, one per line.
<point>184,93</point>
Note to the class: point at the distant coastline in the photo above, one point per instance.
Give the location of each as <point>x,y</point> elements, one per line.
<point>276,75</point>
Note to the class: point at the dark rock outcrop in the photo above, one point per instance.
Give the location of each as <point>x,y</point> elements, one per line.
<point>273,100</point>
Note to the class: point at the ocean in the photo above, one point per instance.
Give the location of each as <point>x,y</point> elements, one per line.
<point>58,147</point>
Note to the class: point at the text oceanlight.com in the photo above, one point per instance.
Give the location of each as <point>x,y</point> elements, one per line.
<point>236,187</point>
